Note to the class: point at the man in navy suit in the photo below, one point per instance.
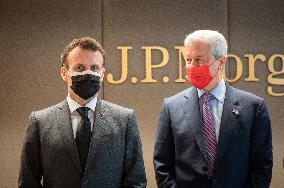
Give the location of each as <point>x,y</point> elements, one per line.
<point>211,134</point>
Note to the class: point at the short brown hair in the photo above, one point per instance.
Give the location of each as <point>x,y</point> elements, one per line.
<point>86,43</point>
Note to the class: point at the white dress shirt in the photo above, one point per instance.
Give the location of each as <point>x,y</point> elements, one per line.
<point>216,104</point>
<point>75,116</point>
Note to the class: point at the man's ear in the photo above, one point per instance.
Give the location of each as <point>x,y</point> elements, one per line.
<point>64,73</point>
<point>222,61</point>
<point>103,73</point>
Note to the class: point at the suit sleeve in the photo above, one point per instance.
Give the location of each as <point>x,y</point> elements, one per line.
<point>134,170</point>
<point>164,151</point>
<point>261,150</point>
<point>30,171</point>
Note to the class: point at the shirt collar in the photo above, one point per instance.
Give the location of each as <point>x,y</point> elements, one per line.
<point>218,92</point>
<point>73,105</point>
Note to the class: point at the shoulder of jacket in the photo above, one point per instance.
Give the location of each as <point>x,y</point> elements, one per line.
<point>116,108</point>
<point>49,110</point>
<point>244,95</point>
<point>179,95</point>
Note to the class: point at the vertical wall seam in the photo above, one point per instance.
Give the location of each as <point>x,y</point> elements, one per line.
<point>102,38</point>
<point>228,34</point>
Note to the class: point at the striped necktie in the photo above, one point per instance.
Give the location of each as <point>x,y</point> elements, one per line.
<point>209,133</point>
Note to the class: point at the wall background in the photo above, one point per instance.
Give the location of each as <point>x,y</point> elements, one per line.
<point>34,33</point>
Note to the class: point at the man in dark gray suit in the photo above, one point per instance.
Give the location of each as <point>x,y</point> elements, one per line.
<point>82,141</point>
<point>211,134</point>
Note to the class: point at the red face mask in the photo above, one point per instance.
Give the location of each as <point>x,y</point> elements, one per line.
<point>199,77</point>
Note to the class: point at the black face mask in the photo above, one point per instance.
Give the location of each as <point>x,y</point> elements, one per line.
<point>85,86</point>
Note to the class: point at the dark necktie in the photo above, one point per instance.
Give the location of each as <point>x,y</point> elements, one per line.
<point>209,133</point>
<point>83,136</point>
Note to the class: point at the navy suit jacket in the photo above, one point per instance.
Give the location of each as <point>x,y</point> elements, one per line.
<point>244,150</point>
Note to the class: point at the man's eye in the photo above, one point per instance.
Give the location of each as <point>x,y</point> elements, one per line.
<point>95,68</point>
<point>79,68</point>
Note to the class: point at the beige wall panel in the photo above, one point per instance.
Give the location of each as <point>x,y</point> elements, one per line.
<point>152,23</point>
<point>256,27</point>
<point>33,34</point>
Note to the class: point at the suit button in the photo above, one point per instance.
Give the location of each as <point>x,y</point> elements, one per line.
<point>205,168</point>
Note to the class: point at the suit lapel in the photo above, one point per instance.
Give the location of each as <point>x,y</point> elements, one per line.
<point>100,128</point>
<point>65,129</point>
<point>191,110</point>
<point>229,121</point>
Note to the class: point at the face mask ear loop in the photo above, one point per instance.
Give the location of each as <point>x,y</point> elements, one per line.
<point>69,74</point>
<point>217,69</point>
<point>212,62</point>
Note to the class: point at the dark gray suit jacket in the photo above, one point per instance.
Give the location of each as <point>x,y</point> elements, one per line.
<point>49,151</point>
<point>244,150</point>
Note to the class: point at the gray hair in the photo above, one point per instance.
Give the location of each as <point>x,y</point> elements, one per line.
<point>215,40</point>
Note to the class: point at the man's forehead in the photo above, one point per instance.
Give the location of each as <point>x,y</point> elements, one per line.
<point>81,51</point>
<point>196,53</point>
<point>78,54</point>
<point>197,49</point>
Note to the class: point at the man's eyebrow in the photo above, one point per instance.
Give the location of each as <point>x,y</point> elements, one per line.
<point>79,64</point>
<point>199,56</point>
